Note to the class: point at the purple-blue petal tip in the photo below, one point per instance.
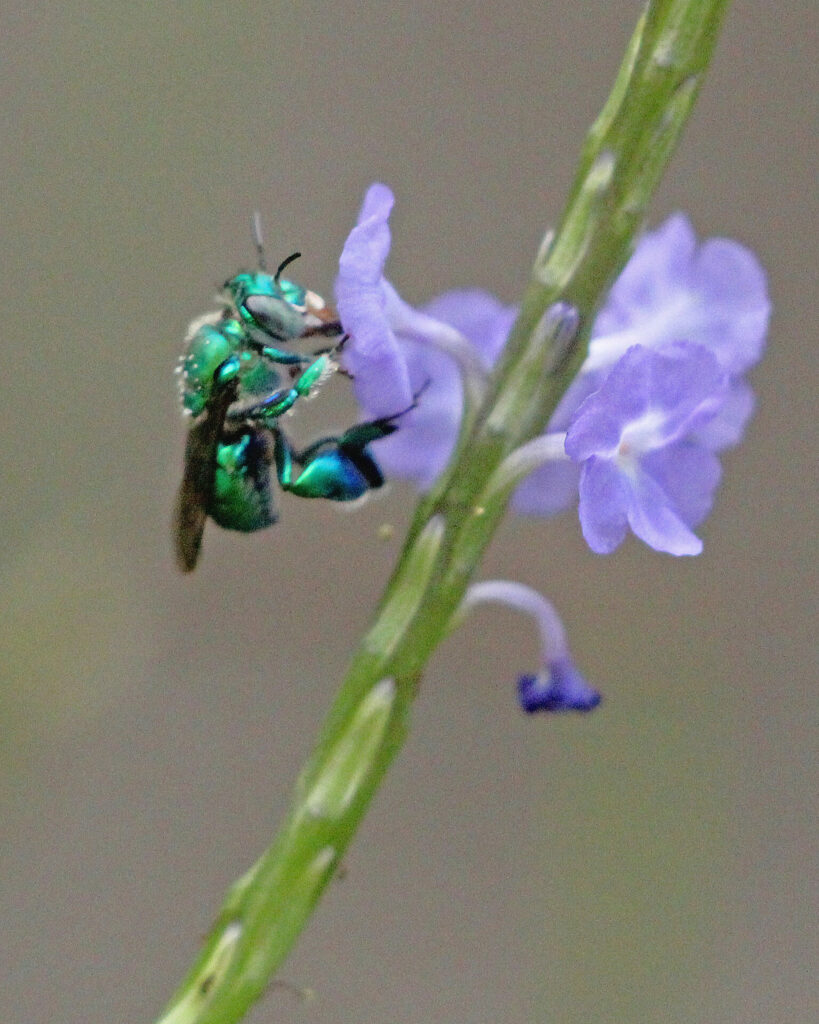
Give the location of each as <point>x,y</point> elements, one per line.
<point>561,688</point>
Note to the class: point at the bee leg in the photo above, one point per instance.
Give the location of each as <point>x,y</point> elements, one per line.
<point>279,402</point>
<point>336,468</point>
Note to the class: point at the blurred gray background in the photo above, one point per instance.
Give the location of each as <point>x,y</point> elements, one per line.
<point>648,863</point>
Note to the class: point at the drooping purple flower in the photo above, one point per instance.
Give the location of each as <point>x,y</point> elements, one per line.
<point>636,440</point>
<point>558,685</point>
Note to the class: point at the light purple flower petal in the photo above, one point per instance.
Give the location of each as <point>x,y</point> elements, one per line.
<point>550,489</point>
<point>725,430</point>
<point>368,245</point>
<point>734,307</point>
<point>479,316</point>
<point>372,354</point>
<point>688,475</point>
<point>610,499</point>
<point>653,519</point>
<point>657,268</point>
<point>604,499</point>
<point>421,447</point>
<point>649,400</point>
<point>670,291</point>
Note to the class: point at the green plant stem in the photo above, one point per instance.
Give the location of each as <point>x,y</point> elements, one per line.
<point>625,154</point>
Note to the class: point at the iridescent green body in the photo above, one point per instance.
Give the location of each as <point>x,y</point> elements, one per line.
<point>233,450</point>
<point>228,456</point>
<point>209,346</point>
<point>335,468</point>
<point>241,496</point>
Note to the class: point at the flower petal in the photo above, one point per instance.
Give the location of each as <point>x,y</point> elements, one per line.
<point>421,447</point>
<point>669,292</point>
<point>372,353</point>
<point>688,475</point>
<point>479,316</point>
<point>548,490</point>
<point>657,270</point>
<point>640,463</point>
<point>603,502</point>
<point>649,400</point>
<point>735,309</point>
<point>368,244</point>
<point>725,430</point>
<point>652,519</point>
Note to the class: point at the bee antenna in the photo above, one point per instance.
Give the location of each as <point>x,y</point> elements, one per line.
<point>258,241</point>
<point>285,263</point>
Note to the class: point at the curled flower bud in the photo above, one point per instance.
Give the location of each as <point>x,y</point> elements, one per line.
<point>558,686</point>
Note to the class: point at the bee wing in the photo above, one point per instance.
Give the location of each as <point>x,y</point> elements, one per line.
<point>195,491</point>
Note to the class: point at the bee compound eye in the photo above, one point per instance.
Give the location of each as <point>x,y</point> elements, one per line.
<point>274,316</point>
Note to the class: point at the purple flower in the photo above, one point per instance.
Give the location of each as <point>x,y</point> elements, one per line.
<point>639,449</point>
<point>669,291</point>
<point>636,439</point>
<point>395,351</point>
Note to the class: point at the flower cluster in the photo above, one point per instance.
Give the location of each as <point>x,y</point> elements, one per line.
<point>634,441</point>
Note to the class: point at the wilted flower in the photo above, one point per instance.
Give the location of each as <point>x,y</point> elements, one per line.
<point>557,685</point>
<point>561,687</point>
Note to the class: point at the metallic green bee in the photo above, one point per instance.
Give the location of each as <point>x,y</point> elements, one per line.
<point>231,387</point>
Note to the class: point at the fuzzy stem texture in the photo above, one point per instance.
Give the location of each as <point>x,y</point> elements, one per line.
<point>624,156</point>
